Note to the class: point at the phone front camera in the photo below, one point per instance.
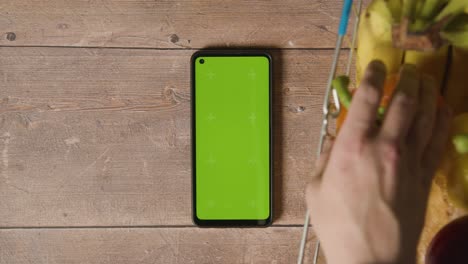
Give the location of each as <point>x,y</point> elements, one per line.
<point>202,61</point>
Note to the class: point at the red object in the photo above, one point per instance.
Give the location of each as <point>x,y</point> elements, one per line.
<point>450,245</point>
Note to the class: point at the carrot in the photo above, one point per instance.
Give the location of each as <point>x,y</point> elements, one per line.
<point>389,88</point>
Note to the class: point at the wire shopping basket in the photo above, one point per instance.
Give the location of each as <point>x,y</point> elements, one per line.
<point>331,105</point>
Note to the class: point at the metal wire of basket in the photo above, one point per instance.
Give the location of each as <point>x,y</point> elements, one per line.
<point>331,97</point>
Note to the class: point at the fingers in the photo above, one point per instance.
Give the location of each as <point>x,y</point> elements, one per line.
<point>400,115</point>
<point>363,110</point>
<point>437,143</point>
<point>421,130</point>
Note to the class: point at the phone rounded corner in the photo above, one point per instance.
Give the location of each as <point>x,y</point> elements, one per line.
<point>196,55</point>
<point>196,221</point>
<point>268,55</point>
<point>268,222</point>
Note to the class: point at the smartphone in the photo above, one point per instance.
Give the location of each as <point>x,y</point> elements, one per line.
<point>232,174</point>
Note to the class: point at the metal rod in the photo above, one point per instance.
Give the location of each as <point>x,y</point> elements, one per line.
<point>316,252</point>
<point>324,131</point>
<point>329,89</point>
<point>323,135</point>
<point>305,230</point>
<point>326,106</point>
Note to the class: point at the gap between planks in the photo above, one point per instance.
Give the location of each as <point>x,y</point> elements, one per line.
<point>170,49</point>
<point>138,227</point>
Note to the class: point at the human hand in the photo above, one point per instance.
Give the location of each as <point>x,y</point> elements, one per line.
<point>368,194</point>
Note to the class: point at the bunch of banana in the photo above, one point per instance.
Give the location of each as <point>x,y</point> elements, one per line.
<point>433,35</point>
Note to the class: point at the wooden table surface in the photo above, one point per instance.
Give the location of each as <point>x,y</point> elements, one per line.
<point>94,126</point>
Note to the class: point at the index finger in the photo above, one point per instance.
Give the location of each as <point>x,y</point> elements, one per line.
<point>362,113</point>
<point>401,112</point>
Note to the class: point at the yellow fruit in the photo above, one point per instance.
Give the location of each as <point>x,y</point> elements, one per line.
<point>431,63</point>
<point>411,24</point>
<point>375,39</point>
<point>423,31</point>
<point>455,165</point>
<point>457,86</point>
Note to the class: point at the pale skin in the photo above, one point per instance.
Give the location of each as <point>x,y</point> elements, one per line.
<point>368,194</point>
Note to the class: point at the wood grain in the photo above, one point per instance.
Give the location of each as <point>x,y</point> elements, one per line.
<point>170,24</point>
<point>100,137</point>
<point>94,142</point>
<point>165,246</point>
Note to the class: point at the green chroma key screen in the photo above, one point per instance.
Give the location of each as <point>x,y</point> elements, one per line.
<point>232,137</point>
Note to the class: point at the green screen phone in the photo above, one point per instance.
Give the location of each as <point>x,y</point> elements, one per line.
<point>232,138</point>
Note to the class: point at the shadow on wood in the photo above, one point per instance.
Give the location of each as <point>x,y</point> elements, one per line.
<point>278,137</point>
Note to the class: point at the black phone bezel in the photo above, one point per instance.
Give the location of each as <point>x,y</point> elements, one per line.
<point>235,222</point>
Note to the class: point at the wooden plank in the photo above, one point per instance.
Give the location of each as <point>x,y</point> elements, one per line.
<point>170,24</point>
<point>100,137</point>
<point>160,245</point>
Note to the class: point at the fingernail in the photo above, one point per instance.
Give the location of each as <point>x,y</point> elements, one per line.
<point>379,66</point>
<point>409,83</point>
<point>405,99</point>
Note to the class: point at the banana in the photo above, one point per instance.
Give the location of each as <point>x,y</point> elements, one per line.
<point>409,8</point>
<point>376,42</point>
<point>375,38</point>
<point>428,62</point>
<point>395,10</point>
<point>430,8</point>
<point>456,32</point>
<point>457,84</point>
<point>453,9</point>
<point>425,13</point>
<point>433,35</point>
<point>431,63</point>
